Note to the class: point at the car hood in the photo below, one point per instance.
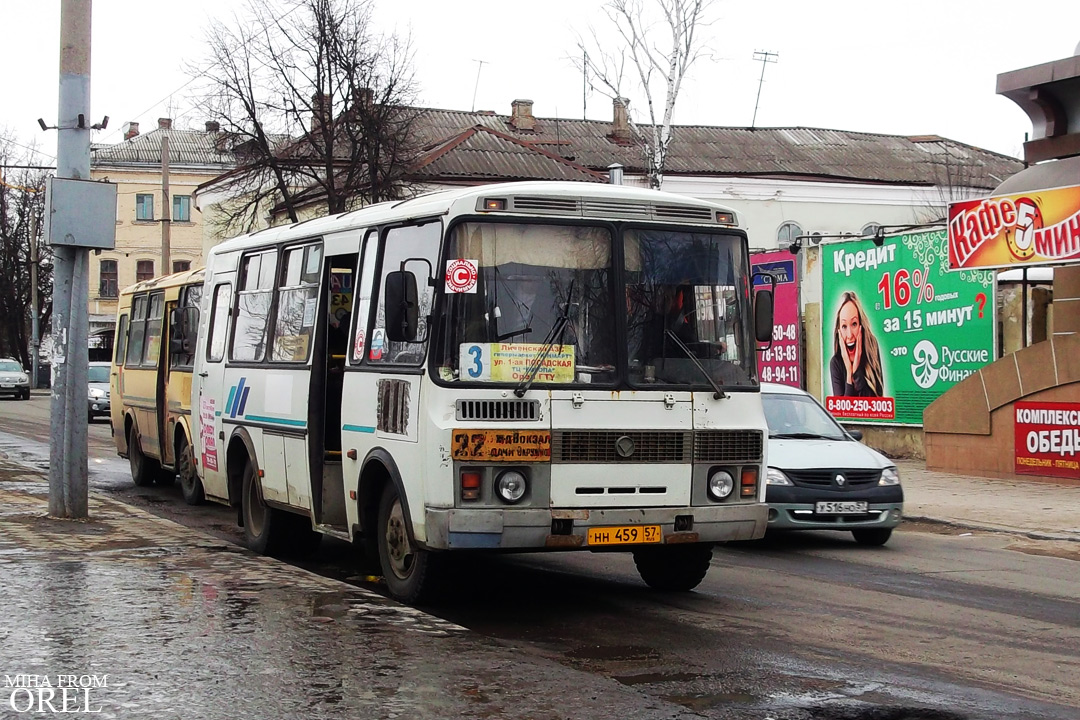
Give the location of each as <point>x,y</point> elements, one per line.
<point>807,454</point>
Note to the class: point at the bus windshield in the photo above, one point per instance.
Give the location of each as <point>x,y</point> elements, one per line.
<point>687,300</point>
<point>541,305</point>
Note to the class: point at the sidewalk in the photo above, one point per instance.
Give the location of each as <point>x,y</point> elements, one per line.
<point>1035,508</point>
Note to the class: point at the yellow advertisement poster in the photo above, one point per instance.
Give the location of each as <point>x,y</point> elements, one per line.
<point>1040,227</point>
<point>510,362</point>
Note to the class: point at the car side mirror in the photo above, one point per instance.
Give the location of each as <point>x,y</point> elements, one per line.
<point>402,307</point>
<point>855,434</point>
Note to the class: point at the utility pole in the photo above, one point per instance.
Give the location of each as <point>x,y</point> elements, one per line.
<point>765,57</point>
<point>70,319</point>
<point>166,210</point>
<point>35,330</point>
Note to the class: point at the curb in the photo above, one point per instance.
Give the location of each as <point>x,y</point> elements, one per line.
<point>1030,534</point>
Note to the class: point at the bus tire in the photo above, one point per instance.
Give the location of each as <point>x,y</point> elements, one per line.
<point>677,568</point>
<point>409,571</point>
<point>264,526</point>
<point>190,485</point>
<point>143,469</point>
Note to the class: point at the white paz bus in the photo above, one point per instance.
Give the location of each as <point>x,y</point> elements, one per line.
<point>515,367</point>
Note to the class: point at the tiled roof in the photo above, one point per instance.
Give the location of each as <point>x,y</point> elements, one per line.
<point>796,152</point>
<point>187,148</point>
<point>483,152</point>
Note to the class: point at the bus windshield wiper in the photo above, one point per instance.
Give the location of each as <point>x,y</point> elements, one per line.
<point>549,342</point>
<point>719,394</point>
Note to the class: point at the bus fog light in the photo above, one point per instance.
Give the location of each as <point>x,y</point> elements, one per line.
<point>721,484</point>
<point>510,486</point>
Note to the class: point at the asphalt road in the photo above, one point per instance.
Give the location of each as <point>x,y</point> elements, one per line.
<point>938,624</point>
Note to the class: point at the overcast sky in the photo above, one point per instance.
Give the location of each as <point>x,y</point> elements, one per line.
<point>907,68</point>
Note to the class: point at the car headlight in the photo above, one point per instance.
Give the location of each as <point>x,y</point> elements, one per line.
<point>97,393</point>
<point>721,484</point>
<point>774,476</point>
<point>24,379</point>
<point>889,476</point>
<point>510,486</point>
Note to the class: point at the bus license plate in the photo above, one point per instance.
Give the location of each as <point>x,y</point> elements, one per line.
<point>841,508</point>
<point>625,535</point>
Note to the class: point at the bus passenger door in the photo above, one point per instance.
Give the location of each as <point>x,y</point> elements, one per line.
<point>209,388</point>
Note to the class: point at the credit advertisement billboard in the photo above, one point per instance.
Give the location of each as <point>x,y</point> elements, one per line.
<point>1041,227</point>
<point>1047,439</point>
<point>899,329</point>
<point>782,362</point>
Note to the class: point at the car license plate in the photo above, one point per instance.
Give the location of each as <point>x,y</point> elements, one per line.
<point>624,535</point>
<point>6,386</point>
<point>841,508</point>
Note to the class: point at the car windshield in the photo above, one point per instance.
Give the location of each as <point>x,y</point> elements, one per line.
<point>799,416</point>
<point>98,374</point>
<point>528,292</point>
<point>687,295</point>
<point>10,366</point>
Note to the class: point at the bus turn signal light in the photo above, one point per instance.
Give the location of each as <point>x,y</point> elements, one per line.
<point>749,482</point>
<point>495,204</point>
<point>470,485</point>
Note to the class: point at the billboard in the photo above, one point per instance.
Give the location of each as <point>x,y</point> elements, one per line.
<point>1034,228</point>
<point>899,329</point>
<point>1047,439</point>
<point>782,362</point>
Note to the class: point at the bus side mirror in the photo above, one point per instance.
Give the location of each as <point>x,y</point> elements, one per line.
<point>402,308</point>
<point>763,315</point>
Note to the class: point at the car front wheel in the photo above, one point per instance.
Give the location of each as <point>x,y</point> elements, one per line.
<point>872,536</point>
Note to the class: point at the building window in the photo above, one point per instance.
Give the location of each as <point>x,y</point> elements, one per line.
<point>181,208</point>
<point>109,286</point>
<point>787,233</point>
<point>181,266</point>
<point>144,207</point>
<point>144,270</point>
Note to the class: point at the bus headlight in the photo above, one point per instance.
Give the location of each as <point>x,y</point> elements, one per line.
<point>510,485</point>
<point>721,484</point>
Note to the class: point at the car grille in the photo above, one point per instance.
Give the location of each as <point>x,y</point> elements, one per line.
<point>656,446</point>
<point>827,478</point>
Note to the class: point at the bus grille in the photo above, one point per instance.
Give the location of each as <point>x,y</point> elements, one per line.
<point>523,410</point>
<point>604,446</point>
<point>728,446</point>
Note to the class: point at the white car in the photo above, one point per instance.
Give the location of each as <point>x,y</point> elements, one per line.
<point>13,379</point>
<point>820,477</point>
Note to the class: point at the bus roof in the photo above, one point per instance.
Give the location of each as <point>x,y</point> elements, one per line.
<point>186,277</point>
<point>573,199</point>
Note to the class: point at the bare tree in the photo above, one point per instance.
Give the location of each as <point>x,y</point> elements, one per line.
<point>661,41</point>
<point>314,104</point>
<point>22,202</point>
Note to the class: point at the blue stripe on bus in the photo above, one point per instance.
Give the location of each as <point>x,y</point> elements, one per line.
<point>358,428</point>
<point>276,421</point>
<point>236,401</point>
<point>228,403</point>
<point>243,401</point>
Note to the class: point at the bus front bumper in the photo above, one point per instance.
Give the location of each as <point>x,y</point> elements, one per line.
<point>554,529</point>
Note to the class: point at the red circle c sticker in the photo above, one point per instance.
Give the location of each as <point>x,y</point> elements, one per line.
<point>461,276</point>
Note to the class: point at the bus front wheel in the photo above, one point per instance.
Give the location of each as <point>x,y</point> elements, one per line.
<point>262,523</point>
<point>143,469</point>
<point>677,568</point>
<point>190,485</point>
<point>407,569</point>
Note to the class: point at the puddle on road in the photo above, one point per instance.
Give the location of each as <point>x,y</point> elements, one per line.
<point>699,703</point>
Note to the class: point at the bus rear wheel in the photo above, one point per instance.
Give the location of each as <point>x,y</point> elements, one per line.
<point>677,568</point>
<point>409,571</point>
<point>190,485</point>
<point>144,470</point>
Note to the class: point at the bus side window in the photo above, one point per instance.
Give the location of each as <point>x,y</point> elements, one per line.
<point>362,296</point>
<point>121,340</point>
<point>219,321</point>
<point>405,243</point>
<point>255,296</point>
<point>298,297</point>
<point>152,348</point>
<point>137,332</point>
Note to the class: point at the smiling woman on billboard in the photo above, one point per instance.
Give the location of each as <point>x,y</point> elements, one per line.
<point>855,367</point>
